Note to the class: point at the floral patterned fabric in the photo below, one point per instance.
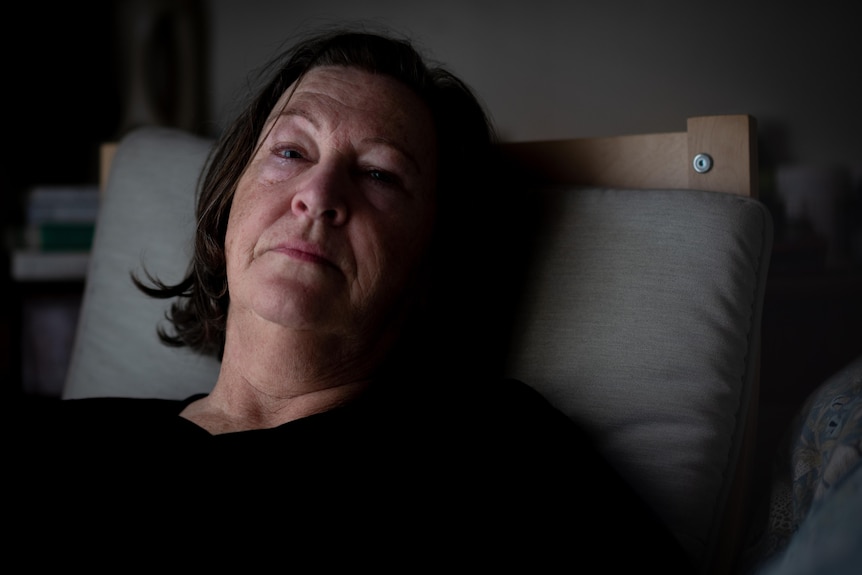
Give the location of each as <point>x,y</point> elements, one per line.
<point>815,501</point>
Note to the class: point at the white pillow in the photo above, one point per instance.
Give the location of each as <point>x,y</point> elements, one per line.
<point>146,219</point>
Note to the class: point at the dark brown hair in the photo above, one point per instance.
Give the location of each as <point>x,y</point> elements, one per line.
<point>465,139</point>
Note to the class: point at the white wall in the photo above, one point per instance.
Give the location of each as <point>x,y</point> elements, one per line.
<point>550,69</point>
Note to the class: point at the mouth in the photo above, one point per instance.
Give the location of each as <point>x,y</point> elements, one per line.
<point>305,252</point>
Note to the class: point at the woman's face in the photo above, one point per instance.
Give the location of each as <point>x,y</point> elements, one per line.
<point>333,215</point>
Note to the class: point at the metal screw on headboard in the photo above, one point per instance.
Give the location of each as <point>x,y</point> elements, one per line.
<point>702,163</point>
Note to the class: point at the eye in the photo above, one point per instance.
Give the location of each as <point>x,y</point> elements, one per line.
<point>383,177</point>
<point>289,154</point>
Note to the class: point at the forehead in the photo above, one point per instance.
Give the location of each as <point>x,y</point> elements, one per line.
<point>338,92</point>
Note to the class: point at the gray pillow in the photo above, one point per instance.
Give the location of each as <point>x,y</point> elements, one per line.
<point>641,321</point>
<point>145,221</point>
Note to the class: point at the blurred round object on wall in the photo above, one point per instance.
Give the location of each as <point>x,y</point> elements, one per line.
<point>161,51</point>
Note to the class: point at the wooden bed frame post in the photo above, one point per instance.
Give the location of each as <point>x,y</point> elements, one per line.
<point>731,143</point>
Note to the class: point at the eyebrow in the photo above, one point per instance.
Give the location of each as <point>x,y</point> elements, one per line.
<point>300,112</point>
<point>311,119</point>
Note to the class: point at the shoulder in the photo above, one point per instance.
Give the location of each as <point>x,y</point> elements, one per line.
<point>496,421</point>
<point>513,405</point>
<point>100,408</point>
<point>102,419</point>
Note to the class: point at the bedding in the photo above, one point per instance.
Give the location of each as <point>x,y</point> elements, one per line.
<point>815,503</point>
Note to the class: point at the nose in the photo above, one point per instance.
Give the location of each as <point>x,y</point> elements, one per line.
<point>322,194</point>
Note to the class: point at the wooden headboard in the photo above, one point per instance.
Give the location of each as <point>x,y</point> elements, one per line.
<point>725,148</point>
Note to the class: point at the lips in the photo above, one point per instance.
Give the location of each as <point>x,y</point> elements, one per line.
<point>305,252</point>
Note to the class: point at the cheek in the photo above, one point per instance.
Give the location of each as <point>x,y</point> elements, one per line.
<point>235,222</point>
<point>423,229</point>
<point>231,249</point>
<point>241,232</point>
<point>404,244</point>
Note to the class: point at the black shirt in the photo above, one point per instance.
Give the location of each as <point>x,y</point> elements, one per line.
<point>491,474</point>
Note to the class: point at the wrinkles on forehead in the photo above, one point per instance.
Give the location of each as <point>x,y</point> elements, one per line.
<point>327,83</point>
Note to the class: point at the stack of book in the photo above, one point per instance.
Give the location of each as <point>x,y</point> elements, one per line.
<point>54,243</point>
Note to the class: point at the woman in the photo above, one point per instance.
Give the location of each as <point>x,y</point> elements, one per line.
<point>328,214</point>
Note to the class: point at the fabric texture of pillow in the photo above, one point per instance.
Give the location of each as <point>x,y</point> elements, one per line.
<point>145,222</point>
<point>641,321</point>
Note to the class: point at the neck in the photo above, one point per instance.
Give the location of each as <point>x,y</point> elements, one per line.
<point>270,376</point>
